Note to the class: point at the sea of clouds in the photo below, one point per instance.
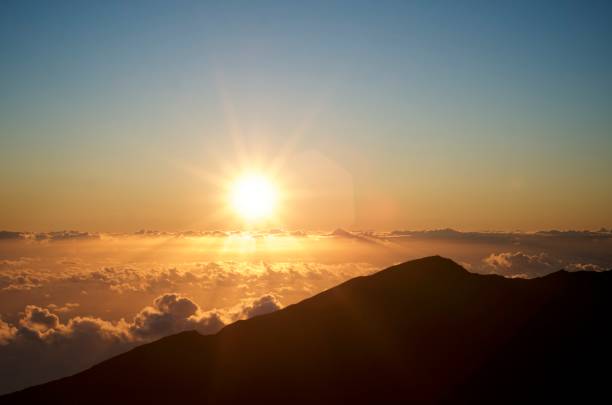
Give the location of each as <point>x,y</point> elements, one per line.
<point>71,299</point>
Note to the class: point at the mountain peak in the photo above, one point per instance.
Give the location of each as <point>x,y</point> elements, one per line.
<point>422,330</point>
<point>434,261</point>
<point>431,265</point>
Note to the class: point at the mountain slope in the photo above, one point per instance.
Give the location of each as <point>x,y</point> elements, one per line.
<point>423,330</point>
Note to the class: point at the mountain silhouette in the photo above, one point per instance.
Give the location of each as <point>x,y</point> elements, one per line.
<point>424,330</point>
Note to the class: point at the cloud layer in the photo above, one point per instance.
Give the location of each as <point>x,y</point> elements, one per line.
<point>70,299</point>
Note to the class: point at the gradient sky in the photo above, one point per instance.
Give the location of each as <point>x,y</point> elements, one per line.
<point>386,115</point>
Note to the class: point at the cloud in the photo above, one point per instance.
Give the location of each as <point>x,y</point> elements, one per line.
<point>261,306</point>
<point>355,236</point>
<point>260,276</point>
<point>519,263</point>
<point>41,347</point>
<point>21,281</point>
<point>172,313</point>
<point>7,333</point>
<point>449,234</point>
<point>571,234</point>
<point>8,235</point>
<point>99,294</point>
<point>554,238</point>
<point>38,320</point>
<point>67,307</point>
<point>65,235</point>
<point>585,267</point>
<point>431,234</point>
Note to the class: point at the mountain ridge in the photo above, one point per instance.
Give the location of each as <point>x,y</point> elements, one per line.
<point>421,330</point>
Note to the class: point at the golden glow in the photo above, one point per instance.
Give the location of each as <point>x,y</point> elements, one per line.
<point>253,197</point>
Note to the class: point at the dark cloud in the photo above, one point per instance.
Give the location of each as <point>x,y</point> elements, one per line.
<point>355,236</point>
<point>8,235</point>
<point>499,237</point>
<point>65,235</point>
<point>589,235</point>
<point>452,234</point>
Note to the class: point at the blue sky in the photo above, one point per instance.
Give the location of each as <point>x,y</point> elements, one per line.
<point>476,115</point>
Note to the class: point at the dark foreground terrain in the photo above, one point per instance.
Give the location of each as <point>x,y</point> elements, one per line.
<point>422,330</point>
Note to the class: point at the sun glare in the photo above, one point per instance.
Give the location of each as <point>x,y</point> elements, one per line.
<point>253,197</point>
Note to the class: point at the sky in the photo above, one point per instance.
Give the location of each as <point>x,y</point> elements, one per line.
<point>120,116</point>
<point>170,166</point>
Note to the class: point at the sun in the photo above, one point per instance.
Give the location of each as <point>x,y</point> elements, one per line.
<point>253,197</point>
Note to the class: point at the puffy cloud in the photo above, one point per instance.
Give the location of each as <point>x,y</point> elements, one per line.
<point>7,332</point>
<point>38,319</point>
<point>17,274</point>
<point>311,277</point>
<point>172,313</point>
<point>519,263</point>
<point>261,306</point>
<point>95,330</point>
<point>42,347</point>
<point>585,267</point>
<point>16,263</point>
<point>22,281</point>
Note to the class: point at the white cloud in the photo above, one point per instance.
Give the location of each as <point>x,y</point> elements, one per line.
<point>7,332</point>
<point>515,263</point>
<point>261,306</point>
<point>67,307</point>
<point>585,267</point>
<point>523,265</point>
<point>43,347</point>
<point>172,313</point>
<point>38,320</point>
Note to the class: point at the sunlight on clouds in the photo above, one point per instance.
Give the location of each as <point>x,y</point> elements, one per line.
<point>70,299</point>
